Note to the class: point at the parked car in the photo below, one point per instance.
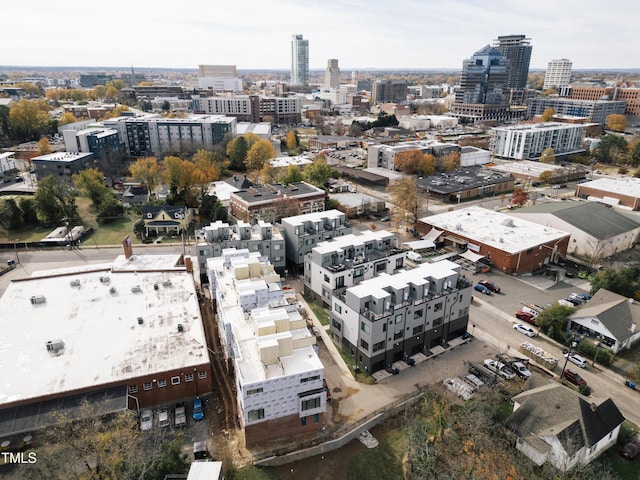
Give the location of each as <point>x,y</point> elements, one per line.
<point>482,289</point>
<point>581,297</point>
<point>577,359</point>
<point>584,296</point>
<point>180,415</point>
<point>19,179</point>
<point>386,218</point>
<point>163,418</point>
<point>499,367</point>
<point>526,317</point>
<point>474,380</point>
<point>146,420</point>
<point>521,370</point>
<point>630,450</point>
<point>528,331</point>
<point>573,377</point>
<point>556,187</point>
<point>490,285</point>
<point>198,412</point>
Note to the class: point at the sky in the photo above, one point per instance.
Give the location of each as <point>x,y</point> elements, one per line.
<point>361,34</point>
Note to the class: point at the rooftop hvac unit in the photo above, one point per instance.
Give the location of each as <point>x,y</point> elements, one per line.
<point>36,299</point>
<point>54,346</point>
<point>140,320</point>
<point>136,289</point>
<point>180,328</point>
<point>155,286</point>
<point>112,290</point>
<point>74,283</point>
<point>166,283</point>
<point>105,279</point>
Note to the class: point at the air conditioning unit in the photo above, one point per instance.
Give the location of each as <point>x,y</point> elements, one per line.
<point>136,289</point>
<point>54,346</point>
<point>36,299</point>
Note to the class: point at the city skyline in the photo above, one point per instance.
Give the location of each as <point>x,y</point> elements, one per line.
<point>406,34</point>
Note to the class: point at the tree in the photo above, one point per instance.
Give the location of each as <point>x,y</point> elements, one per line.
<point>546,176</point>
<point>237,150</point>
<point>91,183</point>
<point>55,201</point>
<point>319,172</point>
<point>292,175</point>
<point>211,210</point>
<point>44,146</point>
<point>625,282</point>
<point>166,106</point>
<point>451,161</point>
<point>611,149</point>
<point>207,169</point>
<point>260,152</point>
<point>548,156</point>
<point>10,215</point>
<point>67,117</point>
<point>617,122</point>
<point>28,209</point>
<point>147,171</point>
<point>519,197</point>
<point>406,201</point>
<point>292,140</point>
<point>553,321</point>
<point>28,119</point>
<point>414,162</point>
<point>110,209</point>
<point>548,114</point>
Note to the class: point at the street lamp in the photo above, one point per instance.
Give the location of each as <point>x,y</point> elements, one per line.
<point>571,347</point>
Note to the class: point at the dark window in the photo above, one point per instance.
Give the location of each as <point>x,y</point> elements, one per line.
<point>397,335</point>
<point>364,344</point>
<point>418,329</point>
<point>309,404</point>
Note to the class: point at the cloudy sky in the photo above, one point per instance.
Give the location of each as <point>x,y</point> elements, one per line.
<point>256,34</point>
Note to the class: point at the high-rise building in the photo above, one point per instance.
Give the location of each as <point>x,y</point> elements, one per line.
<point>389,91</point>
<point>558,73</point>
<point>332,74</point>
<point>484,78</point>
<point>517,50</point>
<point>299,60</point>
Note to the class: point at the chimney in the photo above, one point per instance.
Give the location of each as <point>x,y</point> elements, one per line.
<point>128,249</point>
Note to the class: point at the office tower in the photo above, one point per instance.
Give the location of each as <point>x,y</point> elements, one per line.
<point>517,50</point>
<point>299,60</point>
<point>332,74</point>
<point>389,91</point>
<point>558,73</point>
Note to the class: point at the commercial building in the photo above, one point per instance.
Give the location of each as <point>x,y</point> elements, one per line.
<point>595,110</point>
<point>388,91</point>
<point>303,232</point>
<point>390,318</point>
<point>621,92</point>
<point>528,171</point>
<point>529,141</point>
<point>262,237</point>
<point>465,183</point>
<point>299,61</point>
<point>271,202</point>
<point>279,376</point>
<point>383,156</point>
<point>558,74</point>
<point>346,261</point>
<point>618,192</point>
<point>219,78</point>
<point>122,335</point>
<point>332,74</point>
<point>517,50</point>
<point>62,165</point>
<point>252,108</point>
<point>513,245</point>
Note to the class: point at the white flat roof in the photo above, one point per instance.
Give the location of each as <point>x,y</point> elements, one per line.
<point>104,342</point>
<point>62,156</point>
<point>530,168</point>
<point>313,217</point>
<point>351,239</point>
<point>354,200</point>
<point>222,190</point>
<point>629,186</point>
<point>281,162</point>
<point>495,229</point>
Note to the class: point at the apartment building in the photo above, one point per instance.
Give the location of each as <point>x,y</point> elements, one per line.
<point>389,318</point>
<point>622,92</point>
<point>388,91</point>
<point>303,232</point>
<point>348,260</point>
<point>62,165</point>
<point>279,376</point>
<point>558,73</point>
<point>251,108</point>
<point>271,202</point>
<point>383,156</point>
<point>527,142</point>
<point>595,110</point>
<point>262,237</point>
<point>97,140</point>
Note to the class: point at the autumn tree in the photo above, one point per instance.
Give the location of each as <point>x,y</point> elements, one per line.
<point>44,146</point>
<point>519,197</point>
<point>208,168</point>
<point>91,183</point>
<point>67,118</point>
<point>292,142</point>
<point>29,88</point>
<point>449,162</point>
<point>414,162</point>
<point>147,171</point>
<point>548,156</point>
<point>616,122</point>
<point>258,154</point>
<point>406,201</point>
<point>546,176</point>
<point>548,114</point>
<point>634,151</point>
<point>319,172</point>
<point>28,119</point>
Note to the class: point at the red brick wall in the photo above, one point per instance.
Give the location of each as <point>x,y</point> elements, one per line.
<point>280,428</point>
<point>631,202</point>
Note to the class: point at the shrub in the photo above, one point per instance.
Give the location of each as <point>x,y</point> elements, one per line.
<point>603,357</point>
<point>584,390</point>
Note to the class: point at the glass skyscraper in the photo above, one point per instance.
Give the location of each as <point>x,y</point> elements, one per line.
<point>299,60</point>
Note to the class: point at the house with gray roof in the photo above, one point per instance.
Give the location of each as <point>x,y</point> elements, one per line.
<point>555,424</point>
<point>596,231</point>
<point>611,318</point>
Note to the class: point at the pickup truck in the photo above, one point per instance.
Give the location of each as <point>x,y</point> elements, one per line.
<point>180,416</point>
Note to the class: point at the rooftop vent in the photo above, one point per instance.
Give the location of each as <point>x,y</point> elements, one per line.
<point>74,283</point>
<point>166,283</point>
<point>36,299</point>
<point>155,286</point>
<point>180,328</point>
<point>54,346</point>
<point>112,290</point>
<point>136,289</point>
<point>140,320</point>
<point>105,279</point>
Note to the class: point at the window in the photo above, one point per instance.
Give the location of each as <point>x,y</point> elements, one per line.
<point>399,318</point>
<point>437,307</point>
<point>530,251</point>
<point>336,325</point>
<point>358,272</point>
<point>162,383</point>
<point>303,421</point>
<point>277,246</point>
<point>133,389</point>
<point>337,308</point>
<point>437,321</point>
<point>202,375</point>
<point>397,335</point>
<point>418,329</point>
<point>364,344</point>
<point>381,267</point>
<point>316,418</point>
<point>146,385</point>
<point>255,391</point>
<point>378,346</point>
<point>255,414</point>
<point>188,377</point>
<point>399,262</point>
<point>326,278</point>
<point>310,379</point>
<point>418,313</point>
<point>175,380</point>
<point>365,327</point>
<point>340,282</point>
<point>310,404</point>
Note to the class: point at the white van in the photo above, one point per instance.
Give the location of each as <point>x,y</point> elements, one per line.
<point>414,257</point>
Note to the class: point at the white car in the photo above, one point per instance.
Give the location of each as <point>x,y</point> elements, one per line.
<point>163,418</point>
<point>499,367</point>
<point>529,332</point>
<point>146,420</point>
<point>577,359</point>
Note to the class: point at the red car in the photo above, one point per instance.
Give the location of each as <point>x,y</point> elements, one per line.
<point>526,317</point>
<point>630,450</point>
<point>490,285</point>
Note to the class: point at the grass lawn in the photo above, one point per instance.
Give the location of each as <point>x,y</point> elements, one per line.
<point>249,473</point>
<point>383,462</point>
<point>320,312</point>
<point>361,376</point>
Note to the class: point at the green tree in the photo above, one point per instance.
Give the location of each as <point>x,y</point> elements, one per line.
<point>625,282</point>
<point>258,154</point>
<point>91,183</point>
<point>548,114</point>
<point>28,208</point>
<point>110,209</point>
<point>55,201</point>
<point>319,172</point>
<point>548,156</point>
<point>611,149</point>
<point>553,321</point>
<point>292,175</point>
<point>616,122</point>
<point>166,106</point>
<point>28,119</point>
<point>10,215</point>
<point>237,150</point>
